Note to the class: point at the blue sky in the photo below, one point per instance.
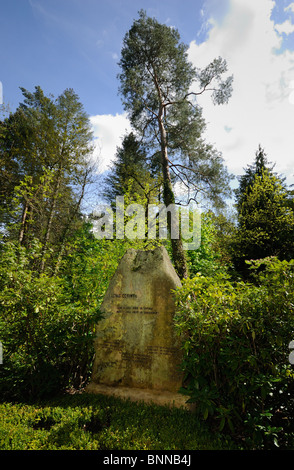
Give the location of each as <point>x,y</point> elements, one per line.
<point>61,44</point>
<point>76,43</point>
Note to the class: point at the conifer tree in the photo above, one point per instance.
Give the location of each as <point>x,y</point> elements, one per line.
<point>131,171</point>
<point>265,220</point>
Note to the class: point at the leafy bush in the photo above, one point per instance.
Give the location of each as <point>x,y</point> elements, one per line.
<point>235,343</point>
<point>47,336</point>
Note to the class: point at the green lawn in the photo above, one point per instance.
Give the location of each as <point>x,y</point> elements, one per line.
<point>93,422</point>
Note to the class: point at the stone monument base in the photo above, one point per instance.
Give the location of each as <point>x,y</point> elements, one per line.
<point>158,397</point>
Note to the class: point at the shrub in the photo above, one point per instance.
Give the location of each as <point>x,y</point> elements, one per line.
<point>47,338</point>
<point>235,342</point>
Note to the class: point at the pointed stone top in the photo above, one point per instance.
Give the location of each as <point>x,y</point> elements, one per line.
<point>156,261</point>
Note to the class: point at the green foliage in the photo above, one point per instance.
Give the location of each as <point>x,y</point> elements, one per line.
<point>131,172</point>
<point>46,330</point>
<point>208,258</point>
<point>265,223</point>
<point>88,266</point>
<point>44,152</point>
<point>265,215</point>
<point>132,223</point>
<point>89,422</point>
<point>235,343</point>
<point>246,181</point>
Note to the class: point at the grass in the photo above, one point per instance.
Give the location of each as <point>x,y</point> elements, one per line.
<point>95,422</point>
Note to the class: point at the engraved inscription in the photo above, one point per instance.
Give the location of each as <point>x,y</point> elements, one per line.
<point>124,296</point>
<point>116,344</point>
<point>157,350</point>
<point>136,309</point>
<point>162,350</point>
<point>137,359</point>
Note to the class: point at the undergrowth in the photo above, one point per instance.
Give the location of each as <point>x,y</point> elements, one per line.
<point>95,422</point>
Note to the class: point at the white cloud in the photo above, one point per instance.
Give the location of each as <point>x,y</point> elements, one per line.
<point>287,27</point>
<point>260,110</point>
<point>290,7</point>
<point>108,132</point>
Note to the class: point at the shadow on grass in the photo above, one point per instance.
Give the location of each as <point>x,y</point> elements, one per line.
<point>91,421</point>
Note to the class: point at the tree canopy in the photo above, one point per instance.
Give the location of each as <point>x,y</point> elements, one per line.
<point>45,154</point>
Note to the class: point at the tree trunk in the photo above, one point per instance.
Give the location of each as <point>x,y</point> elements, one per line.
<point>50,220</point>
<point>23,223</point>
<point>178,252</point>
<point>67,228</point>
<point>26,216</point>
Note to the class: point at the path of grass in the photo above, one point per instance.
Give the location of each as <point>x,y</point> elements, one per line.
<point>90,422</point>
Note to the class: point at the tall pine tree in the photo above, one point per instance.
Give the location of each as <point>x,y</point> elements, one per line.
<point>155,83</point>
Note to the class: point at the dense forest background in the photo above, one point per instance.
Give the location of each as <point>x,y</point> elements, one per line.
<point>235,309</point>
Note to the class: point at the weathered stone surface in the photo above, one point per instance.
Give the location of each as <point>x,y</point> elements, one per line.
<point>137,351</point>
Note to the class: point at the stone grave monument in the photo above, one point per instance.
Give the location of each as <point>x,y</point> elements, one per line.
<point>137,354</point>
